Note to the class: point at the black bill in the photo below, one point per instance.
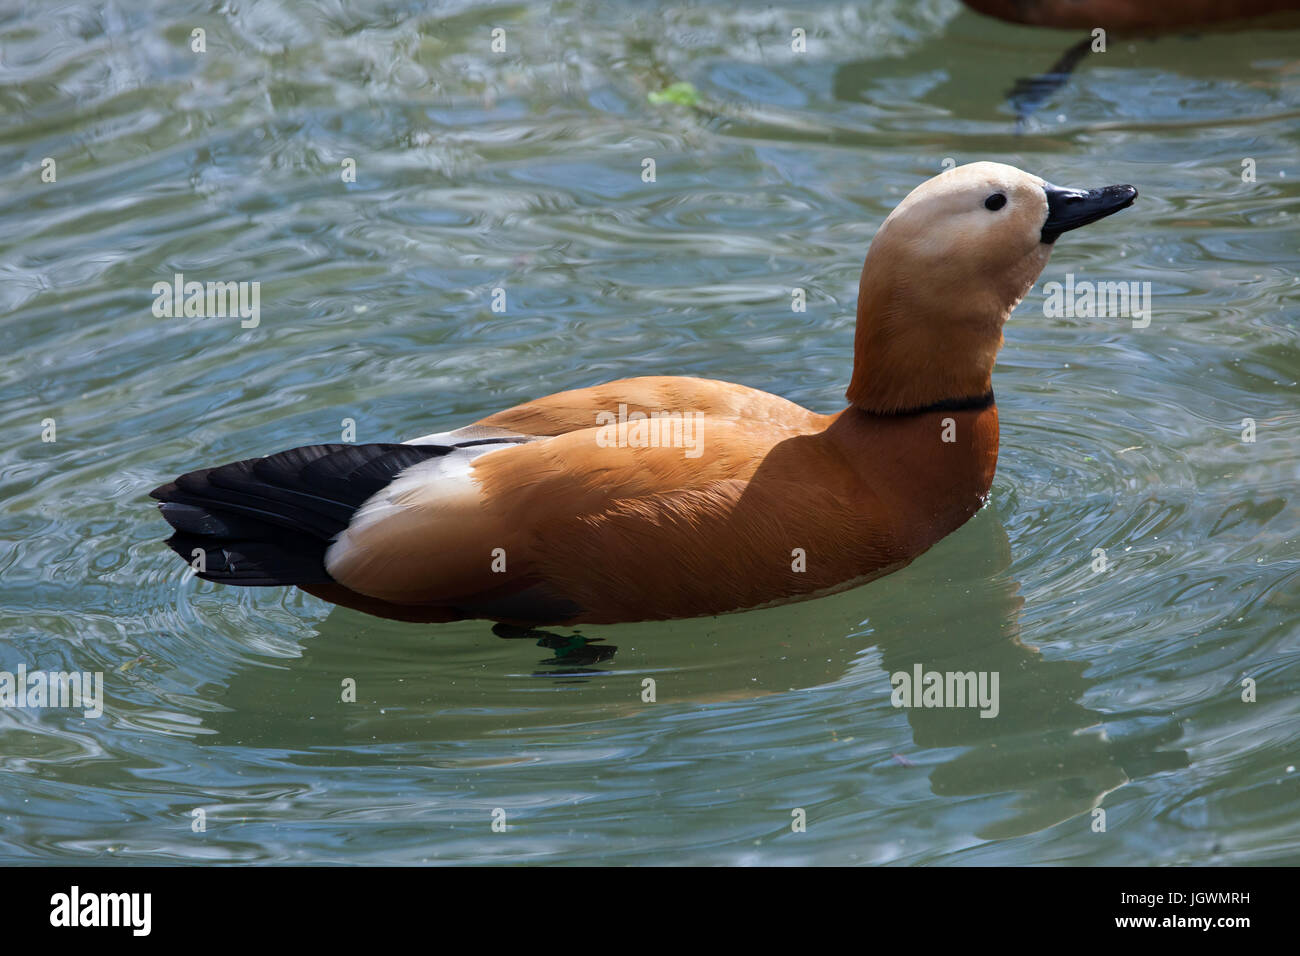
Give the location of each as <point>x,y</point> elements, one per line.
<point>1071,208</point>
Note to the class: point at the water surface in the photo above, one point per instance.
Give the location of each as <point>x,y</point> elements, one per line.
<point>1120,690</point>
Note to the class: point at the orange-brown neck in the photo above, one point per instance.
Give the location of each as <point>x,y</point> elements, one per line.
<point>931,471</point>
<point>897,366</point>
<point>920,342</point>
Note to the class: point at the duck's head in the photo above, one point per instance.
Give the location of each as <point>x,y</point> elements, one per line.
<point>945,270</point>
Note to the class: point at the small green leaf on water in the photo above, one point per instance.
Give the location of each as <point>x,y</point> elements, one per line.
<point>683,94</point>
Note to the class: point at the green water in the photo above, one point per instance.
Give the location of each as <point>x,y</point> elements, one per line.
<point>1119,690</point>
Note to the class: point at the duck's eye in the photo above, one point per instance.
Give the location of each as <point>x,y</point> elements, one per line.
<point>995,202</point>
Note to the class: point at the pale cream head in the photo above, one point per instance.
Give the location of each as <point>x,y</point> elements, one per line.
<point>943,274</point>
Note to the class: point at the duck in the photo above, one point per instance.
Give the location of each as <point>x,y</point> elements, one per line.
<point>667,497</point>
<point>1129,19</point>
<point>1134,14</point>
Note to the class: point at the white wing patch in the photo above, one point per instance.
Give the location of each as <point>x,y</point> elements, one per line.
<point>423,492</point>
<point>468,433</point>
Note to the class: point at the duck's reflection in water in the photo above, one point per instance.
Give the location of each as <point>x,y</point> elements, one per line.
<point>1044,745</point>
<point>958,609</point>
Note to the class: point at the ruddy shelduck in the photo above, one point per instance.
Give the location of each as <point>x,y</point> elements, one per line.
<point>668,497</point>
<point>1133,14</point>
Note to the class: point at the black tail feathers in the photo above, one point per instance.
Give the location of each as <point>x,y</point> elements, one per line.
<point>268,521</point>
